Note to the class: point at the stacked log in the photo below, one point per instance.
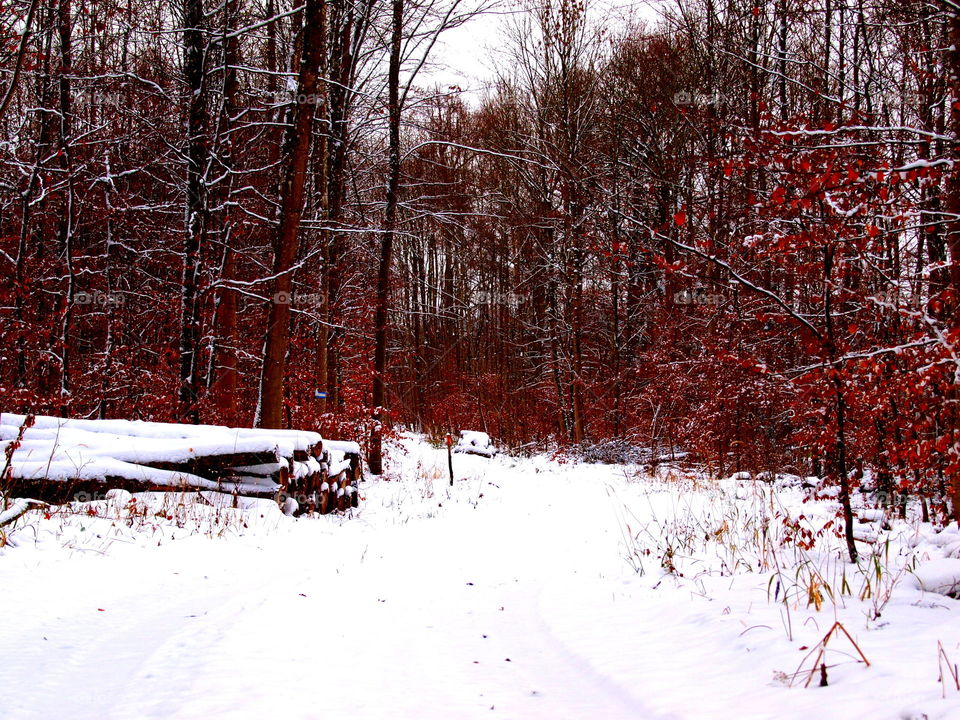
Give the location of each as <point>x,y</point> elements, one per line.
<point>57,460</point>
<point>325,479</point>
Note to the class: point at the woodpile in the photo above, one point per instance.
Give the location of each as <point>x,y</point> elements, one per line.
<point>325,477</point>
<point>58,460</point>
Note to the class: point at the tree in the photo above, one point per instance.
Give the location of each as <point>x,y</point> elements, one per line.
<point>394,110</point>
<point>197,211</point>
<point>414,30</point>
<point>270,407</point>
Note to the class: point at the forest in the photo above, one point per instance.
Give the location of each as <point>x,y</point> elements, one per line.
<point>730,230</point>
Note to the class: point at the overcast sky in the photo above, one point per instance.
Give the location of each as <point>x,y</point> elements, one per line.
<point>467,56</point>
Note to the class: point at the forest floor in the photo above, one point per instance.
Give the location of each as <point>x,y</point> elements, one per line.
<point>533,588</point>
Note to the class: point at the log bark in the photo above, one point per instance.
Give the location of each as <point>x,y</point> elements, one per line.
<point>59,493</point>
<point>214,467</point>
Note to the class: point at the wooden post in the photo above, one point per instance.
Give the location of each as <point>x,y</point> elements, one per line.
<point>450,456</point>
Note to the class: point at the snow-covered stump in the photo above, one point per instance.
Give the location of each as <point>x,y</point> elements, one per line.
<point>59,460</point>
<point>473,442</point>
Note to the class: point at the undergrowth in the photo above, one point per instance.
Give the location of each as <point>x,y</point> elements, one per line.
<point>693,526</point>
<point>124,518</point>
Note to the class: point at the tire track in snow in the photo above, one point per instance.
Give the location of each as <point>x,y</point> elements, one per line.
<point>439,617</point>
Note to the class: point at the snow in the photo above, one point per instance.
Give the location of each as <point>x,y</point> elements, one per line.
<point>476,443</point>
<point>265,470</point>
<point>941,576</point>
<point>119,496</point>
<point>474,437</point>
<point>871,514</point>
<point>151,441</point>
<point>923,164</point>
<point>529,589</point>
<point>345,447</point>
<point>17,508</point>
<point>73,463</point>
<point>60,450</point>
<point>338,466</point>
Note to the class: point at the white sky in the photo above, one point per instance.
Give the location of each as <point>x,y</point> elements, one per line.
<point>467,56</point>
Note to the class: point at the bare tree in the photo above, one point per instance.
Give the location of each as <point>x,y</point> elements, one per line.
<point>270,407</point>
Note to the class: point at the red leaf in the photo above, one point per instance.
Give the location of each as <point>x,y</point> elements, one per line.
<point>680,218</point>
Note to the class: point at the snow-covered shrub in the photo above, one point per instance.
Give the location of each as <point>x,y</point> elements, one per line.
<point>475,443</point>
<point>614,452</point>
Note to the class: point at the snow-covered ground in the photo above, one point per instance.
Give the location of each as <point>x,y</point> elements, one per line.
<point>531,589</point>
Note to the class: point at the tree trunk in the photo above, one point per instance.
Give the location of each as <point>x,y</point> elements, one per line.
<point>223,361</point>
<point>952,296</point>
<point>386,245</point>
<point>196,210</point>
<point>271,402</point>
<point>66,227</point>
<point>840,407</point>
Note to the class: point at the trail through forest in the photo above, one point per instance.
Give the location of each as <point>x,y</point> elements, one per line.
<point>435,617</point>
<point>532,588</point>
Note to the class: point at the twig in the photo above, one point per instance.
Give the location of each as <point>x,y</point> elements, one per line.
<point>18,508</point>
<point>942,660</point>
<point>820,649</point>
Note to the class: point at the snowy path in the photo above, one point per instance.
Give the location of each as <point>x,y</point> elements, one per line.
<point>506,596</point>
<point>434,617</point>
